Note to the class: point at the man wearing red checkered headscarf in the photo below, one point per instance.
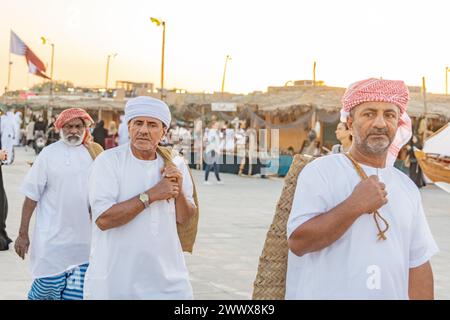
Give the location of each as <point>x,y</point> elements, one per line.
<point>388,91</point>
<point>69,115</point>
<point>56,188</point>
<point>357,229</point>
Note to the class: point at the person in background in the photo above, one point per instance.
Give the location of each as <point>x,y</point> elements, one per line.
<point>345,138</point>
<point>415,171</point>
<point>317,149</point>
<point>402,163</point>
<point>113,136</point>
<point>4,239</point>
<point>40,125</point>
<point>29,132</point>
<point>309,146</point>
<point>241,140</point>
<point>229,139</point>
<point>100,133</point>
<point>7,135</point>
<point>52,134</point>
<point>18,132</point>
<point>212,152</point>
<point>123,132</point>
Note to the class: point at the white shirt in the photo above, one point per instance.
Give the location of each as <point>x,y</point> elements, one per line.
<point>142,259</point>
<point>18,120</point>
<point>240,137</point>
<point>8,126</point>
<point>58,182</point>
<point>229,140</point>
<point>213,141</point>
<point>358,266</point>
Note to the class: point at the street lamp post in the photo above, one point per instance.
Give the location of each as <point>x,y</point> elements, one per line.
<point>446,81</point>
<point>314,74</point>
<point>228,58</point>
<point>425,107</point>
<point>159,22</point>
<point>107,69</point>
<point>9,75</point>
<point>44,42</point>
<point>50,108</point>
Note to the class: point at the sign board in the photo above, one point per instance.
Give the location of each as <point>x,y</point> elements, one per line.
<point>223,106</point>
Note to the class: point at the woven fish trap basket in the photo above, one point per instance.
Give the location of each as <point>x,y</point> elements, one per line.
<point>270,282</point>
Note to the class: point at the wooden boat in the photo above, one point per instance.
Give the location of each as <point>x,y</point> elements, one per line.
<point>434,166</point>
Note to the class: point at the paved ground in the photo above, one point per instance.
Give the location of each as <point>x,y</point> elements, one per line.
<point>234,221</point>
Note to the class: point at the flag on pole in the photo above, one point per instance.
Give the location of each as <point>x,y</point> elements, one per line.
<point>35,65</point>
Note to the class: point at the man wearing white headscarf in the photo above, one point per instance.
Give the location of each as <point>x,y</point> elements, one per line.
<point>136,203</point>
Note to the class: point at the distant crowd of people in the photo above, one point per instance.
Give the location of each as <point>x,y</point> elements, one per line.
<point>217,139</point>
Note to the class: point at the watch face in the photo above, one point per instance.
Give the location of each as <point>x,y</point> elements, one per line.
<point>143,197</point>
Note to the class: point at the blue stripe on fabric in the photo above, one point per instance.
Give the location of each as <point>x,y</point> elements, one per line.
<point>49,279</point>
<point>72,296</point>
<point>46,290</point>
<point>67,286</point>
<point>73,293</point>
<point>50,284</point>
<point>37,294</point>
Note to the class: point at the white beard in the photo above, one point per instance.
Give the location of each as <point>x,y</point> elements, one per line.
<point>72,143</point>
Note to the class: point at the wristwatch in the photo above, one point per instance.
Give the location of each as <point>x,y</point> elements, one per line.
<point>145,199</point>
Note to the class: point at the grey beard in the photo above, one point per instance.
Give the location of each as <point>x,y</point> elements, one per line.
<point>70,141</point>
<point>371,148</point>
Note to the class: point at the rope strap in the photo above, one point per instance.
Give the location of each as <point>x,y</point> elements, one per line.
<point>376,215</point>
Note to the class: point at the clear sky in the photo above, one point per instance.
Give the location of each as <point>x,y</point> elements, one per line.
<point>270,42</point>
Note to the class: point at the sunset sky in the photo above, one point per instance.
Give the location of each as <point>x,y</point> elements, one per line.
<point>270,42</point>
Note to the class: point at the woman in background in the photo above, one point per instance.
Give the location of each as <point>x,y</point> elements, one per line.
<point>344,137</point>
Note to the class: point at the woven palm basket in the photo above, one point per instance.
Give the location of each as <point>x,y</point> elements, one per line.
<point>270,282</point>
<point>187,232</point>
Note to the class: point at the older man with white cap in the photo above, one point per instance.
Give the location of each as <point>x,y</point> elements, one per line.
<point>136,203</point>
<point>369,239</point>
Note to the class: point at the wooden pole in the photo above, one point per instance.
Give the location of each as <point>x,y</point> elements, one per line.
<point>224,74</point>
<point>446,81</point>
<point>107,73</point>
<point>162,59</point>
<point>424,92</point>
<point>314,73</point>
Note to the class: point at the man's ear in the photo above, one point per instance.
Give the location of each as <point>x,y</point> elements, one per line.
<point>165,129</point>
<point>350,123</point>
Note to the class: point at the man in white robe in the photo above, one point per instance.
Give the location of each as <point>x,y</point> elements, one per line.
<point>123,132</point>
<point>8,134</point>
<point>353,239</point>
<point>136,204</point>
<point>56,188</point>
<point>18,127</point>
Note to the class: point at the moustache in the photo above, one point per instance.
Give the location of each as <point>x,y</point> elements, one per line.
<point>144,138</point>
<point>383,131</point>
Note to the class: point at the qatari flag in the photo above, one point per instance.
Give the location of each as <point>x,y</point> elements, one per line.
<point>35,65</point>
